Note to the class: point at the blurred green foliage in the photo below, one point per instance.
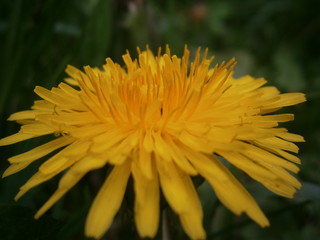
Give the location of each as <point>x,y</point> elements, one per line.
<point>275,39</point>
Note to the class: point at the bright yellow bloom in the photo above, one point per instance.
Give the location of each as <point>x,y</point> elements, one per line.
<point>161,121</point>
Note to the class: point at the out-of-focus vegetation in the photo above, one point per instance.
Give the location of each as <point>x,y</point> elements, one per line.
<point>275,39</point>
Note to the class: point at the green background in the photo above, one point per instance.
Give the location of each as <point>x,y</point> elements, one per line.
<point>275,39</point>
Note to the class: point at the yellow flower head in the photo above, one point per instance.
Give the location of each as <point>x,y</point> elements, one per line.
<point>161,121</point>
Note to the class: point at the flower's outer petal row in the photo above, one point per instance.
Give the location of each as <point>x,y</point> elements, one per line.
<point>22,115</point>
<point>260,155</point>
<point>71,82</point>
<point>278,186</point>
<point>291,137</point>
<point>247,165</point>
<point>14,168</point>
<point>267,174</point>
<point>227,187</point>
<point>77,75</point>
<point>67,156</point>
<point>108,201</point>
<point>38,129</point>
<point>60,99</point>
<point>248,132</point>
<point>274,142</point>
<point>245,84</point>
<point>34,181</point>
<point>41,151</point>
<point>43,106</point>
<point>147,200</point>
<point>72,177</point>
<point>54,165</point>
<point>284,154</point>
<point>52,97</point>
<point>70,91</point>
<point>23,160</point>
<point>180,193</point>
<point>14,138</point>
<point>286,99</point>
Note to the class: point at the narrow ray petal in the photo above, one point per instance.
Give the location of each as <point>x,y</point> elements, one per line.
<point>29,114</point>
<point>40,151</point>
<point>229,189</point>
<point>71,178</point>
<point>14,138</point>
<point>182,197</point>
<point>146,206</point>
<point>108,201</point>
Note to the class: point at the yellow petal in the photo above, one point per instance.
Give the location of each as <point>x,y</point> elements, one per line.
<point>203,162</point>
<point>148,142</point>
<point>269,92</point>
<point>79,147</point>
<point>77,118</point>
<point>44,106</point>
<point>274,142</point>
<point>278,186</point>
<point>77,75</point>
<point>144,161</point>
<point>54,164</point>
<point>146,206</point>
<point>161,147</point>
<point>247,84</point>
<point>285,155</point>
<point>267,177</point>
<point>196,143</point>
<point>71,82</point>
<point>269,120</point>
<point>222,135</point>
<point>69,90</point>
<point>35,180</point>
<point>193,229</point>
<point>106,140</point>
<point>52,97</point>
<point>247,165</point>
<point>181,195</point>
<point>291,137</point>
<point>38,129</point>
<point>179,158</point>
<point>40,151</point>
<point>65,157</point>
<point>287,99</point>
<point>71,178</point>
<point>283,174</point>
<point>14,138</point>
<point>90,130</point>
<point>29,114</point>
<point>260,155</point>
<point>107,202</point>
<point>230,192</point>
<point>14,168</point>
<point>261,167</point>
<point>121,151</point>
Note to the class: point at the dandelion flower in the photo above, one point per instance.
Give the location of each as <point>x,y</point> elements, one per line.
<point>161,121</point>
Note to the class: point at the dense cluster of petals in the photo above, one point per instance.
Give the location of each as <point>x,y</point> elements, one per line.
<point>160,120</point>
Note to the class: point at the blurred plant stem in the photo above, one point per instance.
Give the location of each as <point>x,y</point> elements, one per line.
<point>165,226</point>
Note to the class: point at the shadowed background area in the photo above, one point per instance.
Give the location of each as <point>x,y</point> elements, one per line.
<point>277,40</point>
